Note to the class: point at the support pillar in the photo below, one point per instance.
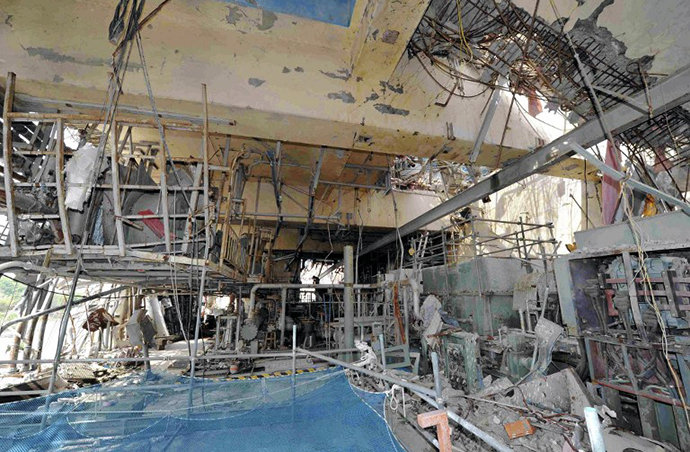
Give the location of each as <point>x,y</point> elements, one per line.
<point>349,299</point>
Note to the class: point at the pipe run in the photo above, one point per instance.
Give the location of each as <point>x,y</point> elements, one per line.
<point>26,266</point>
<point>167,358</point>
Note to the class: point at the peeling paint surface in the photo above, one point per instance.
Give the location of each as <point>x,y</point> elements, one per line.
<point>268,18</point>
<point>390,36</point>
<point>256,82</point>
<point>343,74</point>
<point>398,89</point>
<point>371,97</point>
<point>234,15</point>
<point>51,55</point>
<point>388,110</point>
<point>345,96</point>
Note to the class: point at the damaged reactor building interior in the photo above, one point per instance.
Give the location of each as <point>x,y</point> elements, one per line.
<point>345,225</point>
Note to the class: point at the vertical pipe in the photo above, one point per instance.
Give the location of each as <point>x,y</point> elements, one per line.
<point>147,362</point>
<point>383,351</point>
<point>117,201</point>
<point>348,298</point>
<point>294,351</point>
<point>59,185</point>
<point>240,308</point>
<point>437,379</point>
<point>406,315</point>
<point>29,334</point>
<point>283,306</point>
<point>65,320</point>
<point>7,167</point>
<point>43,322</point>
<point>207,234</point>
<point>25,304</point>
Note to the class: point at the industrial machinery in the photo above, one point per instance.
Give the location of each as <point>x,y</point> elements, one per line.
<point>626,292</point>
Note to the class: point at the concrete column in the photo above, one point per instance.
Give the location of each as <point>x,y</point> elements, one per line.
<point>349,298</point>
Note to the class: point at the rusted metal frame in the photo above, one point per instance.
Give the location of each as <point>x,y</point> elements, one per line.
<point>7,157</point>
<point>669,288</point>
<point>59,185</point>
<point>438,419</point>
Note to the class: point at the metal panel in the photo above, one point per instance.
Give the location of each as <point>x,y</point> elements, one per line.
<point>564,283</point>
<point>669,227</point>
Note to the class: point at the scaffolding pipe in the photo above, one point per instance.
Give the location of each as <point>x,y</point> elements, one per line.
<point>349,298</point>
<point>371,373</point>
<point>294,352</point>
<point>176,357</point>
<point>26,266</point>
<point>438,387</point>
<point>283,307</point>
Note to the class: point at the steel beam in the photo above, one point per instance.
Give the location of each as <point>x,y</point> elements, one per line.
<point>671,92</point>
<point>488,118</point>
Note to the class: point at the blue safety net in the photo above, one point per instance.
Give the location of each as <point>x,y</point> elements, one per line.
<point>318,411</point>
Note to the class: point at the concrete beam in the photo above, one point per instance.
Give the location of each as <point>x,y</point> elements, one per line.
<point>384,31</point>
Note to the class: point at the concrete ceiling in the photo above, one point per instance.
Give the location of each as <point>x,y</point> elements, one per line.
<point>646,28</point>
<point>270,75</point>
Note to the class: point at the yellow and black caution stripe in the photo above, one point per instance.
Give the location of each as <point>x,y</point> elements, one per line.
<point>276,374</point>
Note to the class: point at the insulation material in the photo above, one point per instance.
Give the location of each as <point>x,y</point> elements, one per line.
<point>429,308</point>
<point>435,327</point>
<point>153,306</point>
<point>79,173</point>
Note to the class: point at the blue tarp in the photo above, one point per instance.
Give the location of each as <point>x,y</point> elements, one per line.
<point>337,12</point>
<point>154,412</point>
